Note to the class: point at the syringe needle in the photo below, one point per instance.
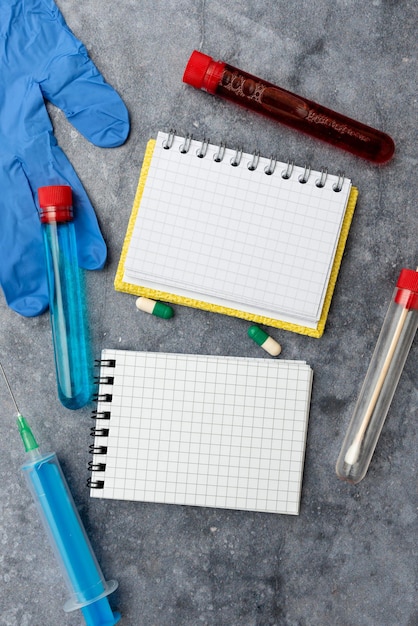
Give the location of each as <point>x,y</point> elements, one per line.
<point>9,388</point>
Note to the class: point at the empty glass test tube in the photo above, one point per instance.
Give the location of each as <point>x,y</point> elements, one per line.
<point>392,348</point>
<point>66,297</point>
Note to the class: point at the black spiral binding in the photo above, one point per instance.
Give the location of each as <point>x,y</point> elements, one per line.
<point>100,431</point>
<point>286,174</point>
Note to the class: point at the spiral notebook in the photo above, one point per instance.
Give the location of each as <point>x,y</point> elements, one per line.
<point>213,431</point>
<point>236,233</point>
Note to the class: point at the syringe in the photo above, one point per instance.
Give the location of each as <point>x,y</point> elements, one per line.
<point>85,581</point>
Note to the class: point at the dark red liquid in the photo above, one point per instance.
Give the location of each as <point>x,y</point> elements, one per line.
<point>304,115</point>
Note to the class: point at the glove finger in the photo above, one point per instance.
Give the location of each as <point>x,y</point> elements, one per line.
<point>72,82</point>
<point>91,248</point>
<point>22,258</point>
<point>48,165</point>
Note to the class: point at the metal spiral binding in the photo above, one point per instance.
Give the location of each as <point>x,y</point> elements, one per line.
<point>96,467</point>
<point>102,397</point>
<point>269,169</point>
<point>185,147</point>
<point>253,164</point>
<point>340,182</point>
<point>167,144</point>
<point>96,431</point>
<point>287,173</point>
<point>105,362</point>
<point>99,432</point>
<point>95,484</point>
<point>305,176</point>
<point>321,182</point>
<point>201,152</point>
<point>100,415</point>
<point>97,449</point>
<point>236,160</point>
<point>218,157</point>
<point>103,380</point>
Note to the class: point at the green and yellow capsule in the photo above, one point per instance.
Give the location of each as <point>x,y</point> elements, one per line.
<point>264,340</point>
<point>159,309</point>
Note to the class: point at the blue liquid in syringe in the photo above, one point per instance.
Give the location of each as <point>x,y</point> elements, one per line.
<point>67,536</point>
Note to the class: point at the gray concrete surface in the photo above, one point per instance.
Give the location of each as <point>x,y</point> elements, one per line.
<point>349,559</point>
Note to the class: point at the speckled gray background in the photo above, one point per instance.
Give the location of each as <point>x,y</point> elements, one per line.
<point>349,559</point>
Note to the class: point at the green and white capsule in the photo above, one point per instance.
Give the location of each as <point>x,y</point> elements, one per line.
<point>159,309</point>
<point>264,340</point>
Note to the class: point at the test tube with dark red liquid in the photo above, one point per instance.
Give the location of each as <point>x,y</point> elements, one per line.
<point>231,83</point>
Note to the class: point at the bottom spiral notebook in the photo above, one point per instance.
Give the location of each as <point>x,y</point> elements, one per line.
<point>212,431</point>
<point>235,233</point>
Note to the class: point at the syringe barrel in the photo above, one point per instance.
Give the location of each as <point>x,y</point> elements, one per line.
<point>382,377</point>
<point>66,534</point>
<point>68,311</point>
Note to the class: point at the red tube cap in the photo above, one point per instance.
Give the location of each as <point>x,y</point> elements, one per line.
<point>55,202</point>
<point>203,72</point>
<point>407,285</point>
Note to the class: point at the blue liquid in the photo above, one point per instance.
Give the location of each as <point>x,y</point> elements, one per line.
<point>70,543</point>
<point>68,315</point>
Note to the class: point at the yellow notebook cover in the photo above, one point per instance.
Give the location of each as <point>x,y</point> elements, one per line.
<point>135,289</point>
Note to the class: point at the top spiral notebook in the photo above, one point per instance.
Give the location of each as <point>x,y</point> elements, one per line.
<point>236,233</point>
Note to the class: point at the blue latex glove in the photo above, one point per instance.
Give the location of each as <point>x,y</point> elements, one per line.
<point>42,60</point>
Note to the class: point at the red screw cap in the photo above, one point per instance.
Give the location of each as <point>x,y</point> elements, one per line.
<point>55,202</point>
<point>407,285</point>
<point>203,72</point>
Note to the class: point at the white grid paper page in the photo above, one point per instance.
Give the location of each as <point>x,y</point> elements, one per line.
<point>200,430</point>
<point>236,234</point>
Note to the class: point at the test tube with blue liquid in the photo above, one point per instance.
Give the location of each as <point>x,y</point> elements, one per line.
<point>85,581</point>
<point>67,305</point>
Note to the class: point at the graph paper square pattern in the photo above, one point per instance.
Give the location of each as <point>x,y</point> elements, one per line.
<point>200,430</point>
<point>238,236</point>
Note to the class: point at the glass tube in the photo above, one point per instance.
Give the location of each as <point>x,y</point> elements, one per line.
<point>66,297</point>
<point>235,85</point>
<point>382,377</point>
